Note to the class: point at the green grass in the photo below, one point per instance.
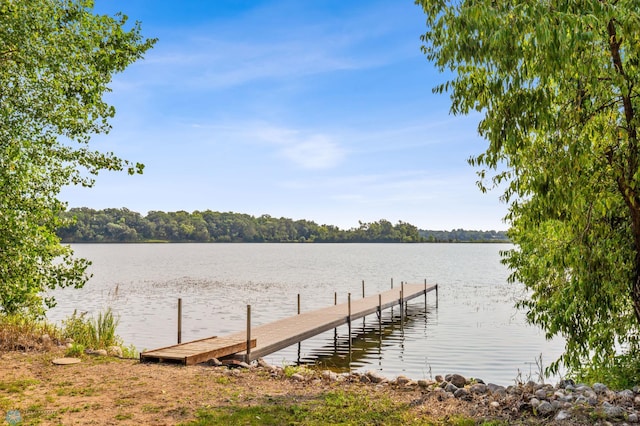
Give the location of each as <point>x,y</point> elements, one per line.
<point>17,386</point>
<point>338,407</point>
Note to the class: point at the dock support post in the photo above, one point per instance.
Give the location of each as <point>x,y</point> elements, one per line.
<point>179,320</point>
<point>349,319</point>
<point>436,296</point>
<point>425,296</point>
<point>349,322</point>
<point>392,283</point>
<point>363,289</point>
<point>248,356</point>
<point>299,343</point>
<point>401,301</point>
<point>380,314</point>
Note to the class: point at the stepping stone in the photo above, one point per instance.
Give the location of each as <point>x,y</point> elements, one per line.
<point>66,361</point>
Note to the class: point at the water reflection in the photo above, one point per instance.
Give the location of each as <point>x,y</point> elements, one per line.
<point>369,340</point>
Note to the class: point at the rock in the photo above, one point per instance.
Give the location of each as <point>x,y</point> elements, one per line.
<point>479,388</point>
<point>66,361</point>
<point>298,377</point>
<point>365,379</point>
<point>100,352</point>
<point>613,412</point>
<point>457,380</point>
<point>541,394</point>
<point>633,418</point>
<point>329,375</point>
<point>45,339</point>
<point>626,395</point>
<point>264,364</point>
<point>115,351</point>
<point>68,341</point>
<point>564,383</point>
<point>545,408</point>
<point>214,362</point>
<point>562,415</point>
<point>636,400</point>
<point>450,387</point>
<point>439,379</point>
<point>493,387</point>
<point>425,383</point>
<point>402,380</point>
<point>535,402</point>
<point>375,377</point>
<point>600,388</point>
<point>463,394</point>
<point>494,404</point>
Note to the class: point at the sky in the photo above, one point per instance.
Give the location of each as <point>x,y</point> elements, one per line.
<point>319,110</point>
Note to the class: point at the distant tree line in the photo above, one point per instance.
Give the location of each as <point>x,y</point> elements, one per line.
<point>464,236</point>
<point>126,226</point>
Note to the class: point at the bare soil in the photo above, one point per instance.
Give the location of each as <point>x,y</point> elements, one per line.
<point>110,391</point>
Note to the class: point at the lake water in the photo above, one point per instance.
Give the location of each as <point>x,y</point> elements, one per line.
<point>475,330</point>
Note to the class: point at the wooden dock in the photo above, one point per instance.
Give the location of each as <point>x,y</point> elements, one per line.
<point>265,339</point>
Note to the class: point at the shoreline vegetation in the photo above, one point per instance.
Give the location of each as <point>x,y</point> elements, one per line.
<point>85,225</point>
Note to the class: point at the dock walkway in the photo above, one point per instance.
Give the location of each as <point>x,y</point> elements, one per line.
<point>271,337</point>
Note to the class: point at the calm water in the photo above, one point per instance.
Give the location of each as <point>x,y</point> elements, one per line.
<point>475,331</point>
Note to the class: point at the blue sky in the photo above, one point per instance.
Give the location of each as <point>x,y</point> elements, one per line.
<point>318,110</point>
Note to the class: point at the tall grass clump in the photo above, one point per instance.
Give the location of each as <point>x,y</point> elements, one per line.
<point>95,333</point>
<point>23,333</point>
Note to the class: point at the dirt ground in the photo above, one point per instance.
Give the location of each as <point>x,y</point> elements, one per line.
<point>112,391</point>
<point>109,391</point>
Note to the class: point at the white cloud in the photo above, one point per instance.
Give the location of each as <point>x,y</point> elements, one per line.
<point>316,152</point>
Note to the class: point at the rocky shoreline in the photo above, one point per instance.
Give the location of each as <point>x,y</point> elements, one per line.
<point>566,403</point>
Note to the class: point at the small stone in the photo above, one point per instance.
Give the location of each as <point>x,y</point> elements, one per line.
<point>424,383</point>
<point>365,379</point>
<point>614,412</point>
<point>45,339</point>
<point>535,402</point>
<point>450,387</point>
<point>581,399</point>
<point>457,380</point>
<point>439,378</point>
<point>633,418</point>
<point>68,340</point>
<point>493,387</point>
<point>545,408</point>
<point>636,389</point>
<point>100,352</point>
<point>562,416</point>
<point>375,377</point>
<point>402,380</point>
<point>626,395</point>
<point>541,394</point>
<point>329,375</point>
<point>115,351</point>
<point>463,394</point>
<point>564,383</point>
<point>494,404</point>
<point>298,377</point>
<point>636,400</point>
<point>264,364</point>
<point>479,388</point>
<point>600,388</point>
<point>214,362</point>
